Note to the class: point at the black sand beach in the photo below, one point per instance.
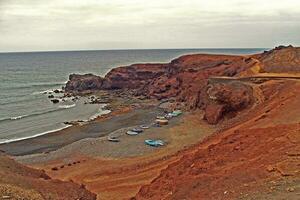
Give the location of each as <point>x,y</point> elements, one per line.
<point>56,140</point>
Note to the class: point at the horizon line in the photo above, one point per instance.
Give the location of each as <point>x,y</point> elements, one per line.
<point>129,49</point>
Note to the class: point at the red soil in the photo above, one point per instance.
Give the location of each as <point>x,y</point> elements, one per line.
<point>20,182</point>
<point>242,160</point>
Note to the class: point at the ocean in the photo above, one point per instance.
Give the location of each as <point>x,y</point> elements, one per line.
<point>27,79</point>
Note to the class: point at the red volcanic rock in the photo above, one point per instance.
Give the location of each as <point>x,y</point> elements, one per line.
<point>79,83</point>
<point>213,113</point>
<point>225,98</point>
<point>233,96</point>
<point>163,80</point>
<point>133,76</point>
<point>187,77</point>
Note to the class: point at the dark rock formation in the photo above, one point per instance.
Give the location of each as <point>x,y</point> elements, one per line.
<point>55,101</point>
<point>80,83</point>
<point>57,91</point>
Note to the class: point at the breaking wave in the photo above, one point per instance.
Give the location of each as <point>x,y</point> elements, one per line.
<point>62,107</point>
<point>5,141</point>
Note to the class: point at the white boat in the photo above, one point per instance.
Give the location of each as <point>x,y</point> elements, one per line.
<point>144,127</point>
<point>131,133</point>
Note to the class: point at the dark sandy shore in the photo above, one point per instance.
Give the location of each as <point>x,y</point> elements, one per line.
<point>95,129</point>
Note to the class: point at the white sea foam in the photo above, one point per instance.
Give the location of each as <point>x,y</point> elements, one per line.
<point>101,112</point>
<point>61,107</point>
<point>67,106</point>
<point>18,117</point>
<point>42,92</point>
<point>13,118</point>
<point>5,141</point>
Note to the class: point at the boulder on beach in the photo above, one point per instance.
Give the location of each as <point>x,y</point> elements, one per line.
<point>55,101</point>
<point>57,91</point>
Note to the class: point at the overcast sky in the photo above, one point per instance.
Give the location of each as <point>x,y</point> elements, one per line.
<point>39,25</point>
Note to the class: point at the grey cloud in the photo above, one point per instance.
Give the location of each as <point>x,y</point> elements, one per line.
<point>47,25</point>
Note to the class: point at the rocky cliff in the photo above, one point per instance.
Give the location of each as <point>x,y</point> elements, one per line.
<point>186,79</point>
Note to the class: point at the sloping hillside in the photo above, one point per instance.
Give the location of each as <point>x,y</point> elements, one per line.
<point>257,158</point>
<point>281,60</point>
<point>19,182</point>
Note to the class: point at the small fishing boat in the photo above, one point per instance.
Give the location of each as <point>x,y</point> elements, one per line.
<point>154,143</point>
<point>113,139</point>
<point>131,133</point>
<point>162,121</point>
<point>156,125</point>
<point>138,130</point>
<point>176,113</point>
<point>144,127</point>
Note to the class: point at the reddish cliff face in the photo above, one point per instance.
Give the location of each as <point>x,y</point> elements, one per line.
<point>133,76</point>
<point>183,71</point>
<point>226,98</point>
<point>186,79</point>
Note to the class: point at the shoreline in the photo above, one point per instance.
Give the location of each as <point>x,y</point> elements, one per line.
<point>123,161</point>
<point>64,125</point>
<point>99,127</point>
<point>115,115</point>
<point>9,141</point>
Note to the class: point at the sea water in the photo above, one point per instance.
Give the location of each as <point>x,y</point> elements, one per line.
<point>27,79</point>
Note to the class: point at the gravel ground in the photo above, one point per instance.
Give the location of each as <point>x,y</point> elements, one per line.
<point>128,146</point>
<point>95,129</point>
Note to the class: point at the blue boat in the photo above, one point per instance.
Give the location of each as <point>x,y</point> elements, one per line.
<point>154,143</point>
